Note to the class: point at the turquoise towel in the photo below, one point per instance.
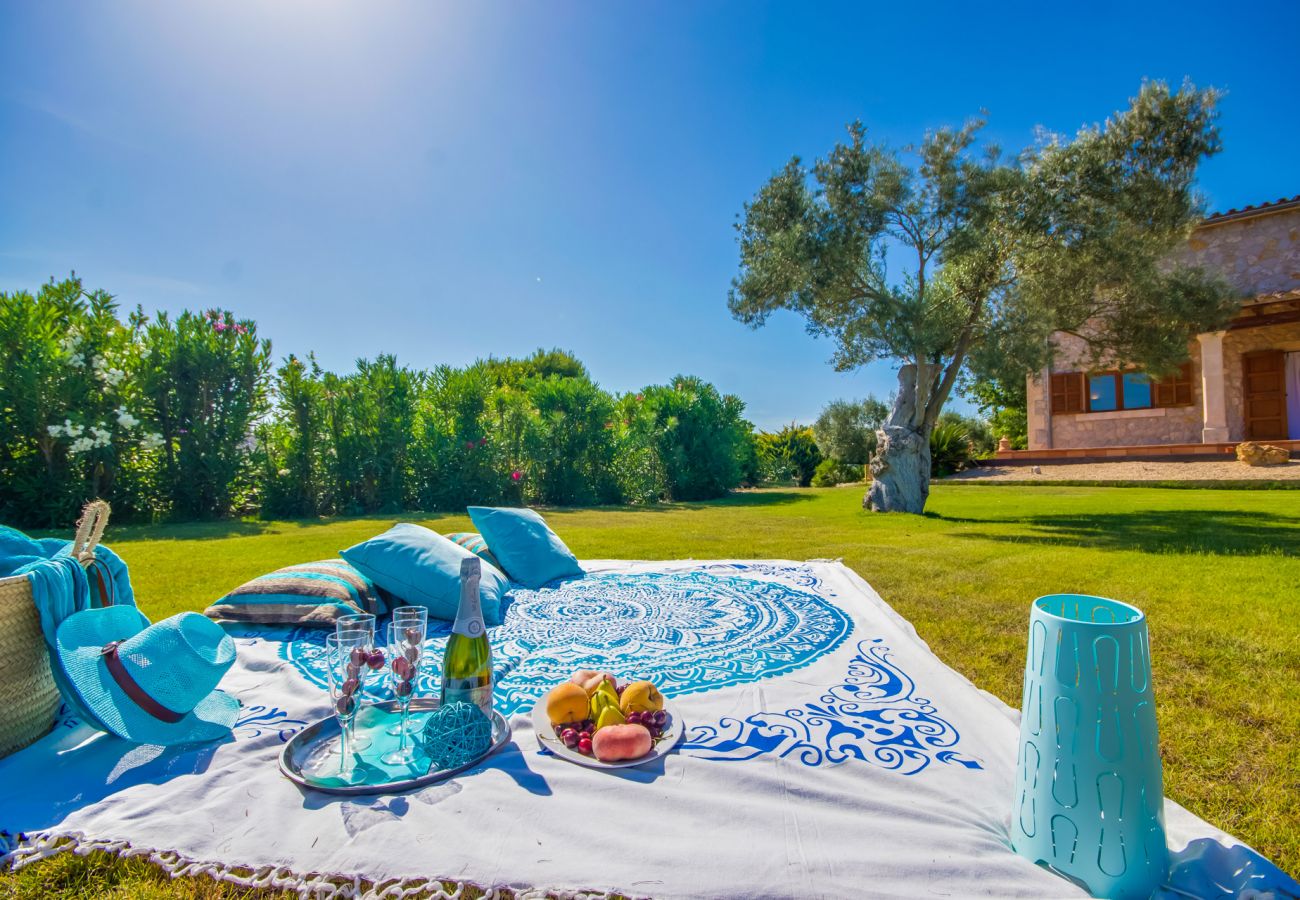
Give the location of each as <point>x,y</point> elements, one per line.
<point>60,587</point>
<point>59,584</point>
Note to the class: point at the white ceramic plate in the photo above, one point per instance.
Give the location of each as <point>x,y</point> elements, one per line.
<point>546,737</point>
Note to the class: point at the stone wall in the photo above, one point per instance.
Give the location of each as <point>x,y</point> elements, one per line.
<point>1247,340</point>
<point>1259,255</point>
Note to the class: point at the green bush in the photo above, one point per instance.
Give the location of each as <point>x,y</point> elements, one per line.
<point>827,474</point>
<point>950,449</point>
<point>73,421</point>
<point>204,381</point>
<point>184,418</point>
<point>790,454</point>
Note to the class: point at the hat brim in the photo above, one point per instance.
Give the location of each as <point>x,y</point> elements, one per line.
<point>81,639</point>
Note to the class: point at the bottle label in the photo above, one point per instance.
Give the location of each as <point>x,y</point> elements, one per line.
<point>469,615</point>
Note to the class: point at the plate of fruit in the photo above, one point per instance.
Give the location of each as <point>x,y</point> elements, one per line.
<point>595,720</point>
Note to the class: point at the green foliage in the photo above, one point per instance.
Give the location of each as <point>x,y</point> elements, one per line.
<point>204,380</point>
<point>702,438</point>
<point>790,454</point>
<point>846,430</point>
<point>950,448</point>
<point>184,419</point>
<point>71,407</point>
<point>1073,234</point>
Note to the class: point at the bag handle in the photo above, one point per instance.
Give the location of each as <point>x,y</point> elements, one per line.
<point>90,528</point>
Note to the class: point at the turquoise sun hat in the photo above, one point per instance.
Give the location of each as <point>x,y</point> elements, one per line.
<point>150,684</point>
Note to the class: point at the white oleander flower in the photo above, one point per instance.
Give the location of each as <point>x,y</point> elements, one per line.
<point>81,445</point>
<point>125,419</point>
<point>54,430</point>
<point>151,441</point>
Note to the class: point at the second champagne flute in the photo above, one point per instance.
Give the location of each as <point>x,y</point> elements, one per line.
<point>406,652</point>
<point>416,617</point>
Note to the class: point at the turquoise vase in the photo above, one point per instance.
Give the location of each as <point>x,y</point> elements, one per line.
<point>1089,799</point>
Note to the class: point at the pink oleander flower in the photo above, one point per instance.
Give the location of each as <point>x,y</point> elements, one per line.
<point>219,326</point>
<point>469,445</point>
<point>640,398</point>
<point>516,475</point>
<point>240,329</point>
<point>482,442</point>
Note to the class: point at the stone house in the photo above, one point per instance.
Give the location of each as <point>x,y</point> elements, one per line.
<point>1242,383</point>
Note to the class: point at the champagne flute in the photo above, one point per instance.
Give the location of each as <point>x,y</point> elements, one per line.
<point>346,661</point>
<point>364,624</point>
<point>416,617</point>
<point>406,652</point>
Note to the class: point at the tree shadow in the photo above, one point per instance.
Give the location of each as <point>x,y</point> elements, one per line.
<point>739,499</point>
<point>1214,531</point>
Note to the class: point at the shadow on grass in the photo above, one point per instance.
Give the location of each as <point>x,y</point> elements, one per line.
<point>231,528</point>
<point>1220,532</point>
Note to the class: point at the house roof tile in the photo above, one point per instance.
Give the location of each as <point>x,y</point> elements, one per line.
<point>1269,206</point>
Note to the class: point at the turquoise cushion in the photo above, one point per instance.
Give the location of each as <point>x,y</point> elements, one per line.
<point>422,568</point>
<point>529,551</point>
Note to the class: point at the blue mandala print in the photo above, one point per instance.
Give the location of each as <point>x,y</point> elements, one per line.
<point>255,721</point>
<point>874,715</point>
<point>687,631</point>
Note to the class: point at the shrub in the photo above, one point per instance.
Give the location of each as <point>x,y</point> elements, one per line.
<point>827,474</point>
<point>205,380</point>
<point>950,449</point>
<point>846,430</point>
<point>72,420</point>
<point>183,417</point>
<point>791,454</point>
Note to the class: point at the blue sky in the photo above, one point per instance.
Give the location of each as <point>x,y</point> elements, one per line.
<point>448,181</point>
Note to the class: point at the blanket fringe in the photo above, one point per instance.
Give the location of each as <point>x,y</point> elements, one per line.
<point>320,886</point>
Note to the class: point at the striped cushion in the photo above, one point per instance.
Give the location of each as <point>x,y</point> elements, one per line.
<point>314,593</point>
<point>474,543</point>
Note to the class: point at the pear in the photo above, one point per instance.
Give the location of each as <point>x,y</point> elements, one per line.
<point>603,697</point>
<point>642,696</point>
<point>611,715</point>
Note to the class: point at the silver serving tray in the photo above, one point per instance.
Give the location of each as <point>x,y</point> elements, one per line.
<point>315,740</point>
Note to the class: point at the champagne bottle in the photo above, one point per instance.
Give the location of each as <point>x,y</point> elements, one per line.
<point>467,662</point>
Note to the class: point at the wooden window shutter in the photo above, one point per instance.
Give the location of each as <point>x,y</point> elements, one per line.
<point>1067,392</point>
<point>1176,390</point>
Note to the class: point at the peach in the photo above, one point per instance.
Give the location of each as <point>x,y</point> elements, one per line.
<point>590,679</point>
<point>617,742</point>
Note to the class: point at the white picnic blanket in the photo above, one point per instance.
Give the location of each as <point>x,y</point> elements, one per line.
<point>829,753</point>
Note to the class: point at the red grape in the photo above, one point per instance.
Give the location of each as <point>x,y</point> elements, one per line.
<point>584,746</point>
<point>570,737</point>
<point>584,735</point>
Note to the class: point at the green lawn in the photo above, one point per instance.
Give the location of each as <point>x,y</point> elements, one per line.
<point>1218,573</point>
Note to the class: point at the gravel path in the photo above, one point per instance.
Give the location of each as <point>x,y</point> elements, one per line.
<point>1134,470</point>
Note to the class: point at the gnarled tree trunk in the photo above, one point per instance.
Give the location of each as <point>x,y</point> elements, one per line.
<point>900,468</point>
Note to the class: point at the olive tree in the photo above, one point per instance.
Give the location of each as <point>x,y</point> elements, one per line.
<point>989,255</point>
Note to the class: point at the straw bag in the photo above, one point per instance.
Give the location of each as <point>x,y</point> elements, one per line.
<point>29,699</point>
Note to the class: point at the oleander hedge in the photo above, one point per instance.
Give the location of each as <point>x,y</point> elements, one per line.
<point>188,418</point>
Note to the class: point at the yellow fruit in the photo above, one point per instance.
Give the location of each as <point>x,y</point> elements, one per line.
<point>642,696</point>
<point>610,716</point>
<point>566,703</point>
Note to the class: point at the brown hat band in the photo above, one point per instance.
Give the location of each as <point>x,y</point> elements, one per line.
<point>133,690</point>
